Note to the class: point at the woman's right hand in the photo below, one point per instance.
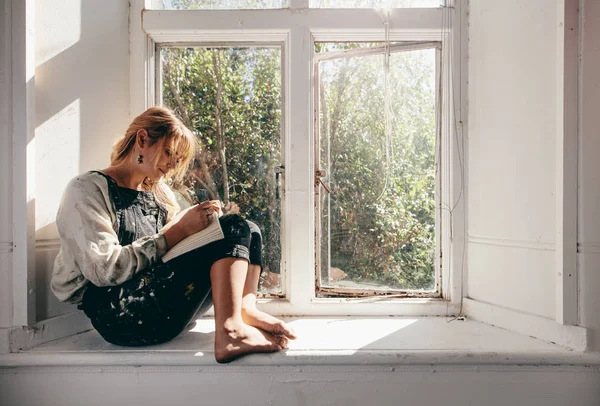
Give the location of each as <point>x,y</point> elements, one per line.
<point>189,221</point>
<point>197,217</point>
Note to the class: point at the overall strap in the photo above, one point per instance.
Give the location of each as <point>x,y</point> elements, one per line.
<point>117,199</point>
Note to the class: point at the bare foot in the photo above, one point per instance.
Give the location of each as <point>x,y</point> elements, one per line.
<point>234,340</point>
<point>254,317</point>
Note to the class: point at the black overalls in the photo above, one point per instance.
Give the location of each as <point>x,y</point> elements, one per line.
<point>159,301</point>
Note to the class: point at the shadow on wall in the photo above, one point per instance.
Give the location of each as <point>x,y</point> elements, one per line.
<point>82,106</point>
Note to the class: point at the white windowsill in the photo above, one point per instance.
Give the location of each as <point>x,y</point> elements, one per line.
<point>329,341</point>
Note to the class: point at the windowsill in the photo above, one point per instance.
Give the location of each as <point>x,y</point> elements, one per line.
<point>324,341</point>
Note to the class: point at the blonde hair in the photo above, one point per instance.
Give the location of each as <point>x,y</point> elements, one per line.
<point>163,126</point>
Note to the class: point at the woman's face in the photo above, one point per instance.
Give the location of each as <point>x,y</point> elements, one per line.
<point>158,159</point>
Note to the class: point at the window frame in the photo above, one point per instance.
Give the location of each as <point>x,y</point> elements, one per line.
<point>298,28</point>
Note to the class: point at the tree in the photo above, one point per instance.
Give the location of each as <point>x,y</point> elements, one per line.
<point>231,99</point>
<point>381,213</point>
<point>380,218</point>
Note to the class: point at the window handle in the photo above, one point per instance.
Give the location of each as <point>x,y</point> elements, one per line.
<point>278,171</point>
<point>319,174</point>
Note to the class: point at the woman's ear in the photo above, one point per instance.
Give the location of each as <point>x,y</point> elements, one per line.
<point>141,138</point>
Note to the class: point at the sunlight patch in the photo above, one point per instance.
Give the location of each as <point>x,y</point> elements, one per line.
<point>205,326</point>
<point>344,335</point>
<point>57,153</point>
<point>61,24</point>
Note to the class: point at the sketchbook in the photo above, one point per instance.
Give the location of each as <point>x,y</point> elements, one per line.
<point>211,233</point>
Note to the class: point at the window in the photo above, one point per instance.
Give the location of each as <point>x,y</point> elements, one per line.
<point>376,146</point>
<point>217,4</point>
<point>231,98</point>
<point>375,3</point>
<point>291,108</point>
<point>274,4</point>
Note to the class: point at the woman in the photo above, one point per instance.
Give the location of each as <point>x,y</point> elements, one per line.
<point>116,224</point>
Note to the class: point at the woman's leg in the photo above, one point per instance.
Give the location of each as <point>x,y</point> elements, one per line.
<point>255,317</point>
<point>250,313</point>
<point>233,337</point>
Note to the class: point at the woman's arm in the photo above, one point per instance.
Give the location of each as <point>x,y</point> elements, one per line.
<point>86,227</point>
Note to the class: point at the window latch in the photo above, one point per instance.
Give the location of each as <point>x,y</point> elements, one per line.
<point>319,174</point>
<point>278,171</point>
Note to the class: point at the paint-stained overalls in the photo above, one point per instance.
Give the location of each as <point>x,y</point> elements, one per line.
<point>159,301</point>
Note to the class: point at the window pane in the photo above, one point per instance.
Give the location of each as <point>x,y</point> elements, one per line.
<point>378,223</point>
<point>376,3</point>
<point>231,99</point>
<point>218,4</point>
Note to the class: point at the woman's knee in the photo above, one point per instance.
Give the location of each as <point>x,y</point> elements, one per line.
<point>234,225</point>
<point>256,244</point>
<point>254,230</point>
<point>244,233</point>
<point>237,233</point>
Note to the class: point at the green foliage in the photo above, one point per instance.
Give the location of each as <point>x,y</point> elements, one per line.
<point>266,4</point>
<point>381,213</point>
<point>378,228</point>
<point>224,4</point>
<point>231,98</point>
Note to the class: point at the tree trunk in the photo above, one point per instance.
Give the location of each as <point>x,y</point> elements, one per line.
<point>219,122</point>
<point>337,112</point>
<point>209,183</point>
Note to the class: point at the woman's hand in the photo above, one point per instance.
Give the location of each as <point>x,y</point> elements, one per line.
<point>190,221</point>
<point>231,208</point>
<point>198,216</point>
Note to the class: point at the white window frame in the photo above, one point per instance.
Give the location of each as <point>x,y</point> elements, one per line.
<point>298,28</point>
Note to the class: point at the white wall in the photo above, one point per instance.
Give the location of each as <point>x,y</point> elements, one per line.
<point>589,172</point>
<point>5,167</point>
<point>511,160</point>
<point>82,106</point>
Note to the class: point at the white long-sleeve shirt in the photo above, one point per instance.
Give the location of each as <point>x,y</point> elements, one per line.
<point>89,246</point>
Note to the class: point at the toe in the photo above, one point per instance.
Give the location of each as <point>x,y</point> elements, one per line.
<point>290,333</point>
<point>281,341</point>
<point>283,329</point>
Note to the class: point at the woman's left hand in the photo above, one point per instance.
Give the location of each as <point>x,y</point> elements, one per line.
<point>212,205</point>
<point>231,208</point>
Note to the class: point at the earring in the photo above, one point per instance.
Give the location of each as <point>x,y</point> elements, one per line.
<point>140,159</point>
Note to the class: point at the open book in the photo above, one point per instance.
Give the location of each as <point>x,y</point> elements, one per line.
<point>211,233</point>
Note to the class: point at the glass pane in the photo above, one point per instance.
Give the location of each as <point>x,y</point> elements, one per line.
<point>231,98</point>
<point>378,222</point>
<point>376,3</point>
<point>217,4</point>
